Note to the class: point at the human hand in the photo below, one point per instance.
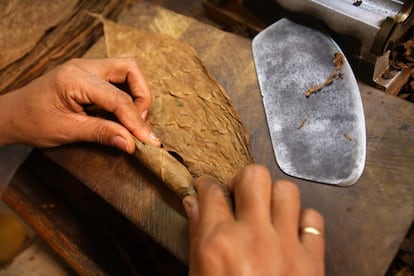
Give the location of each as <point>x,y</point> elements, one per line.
<point>261,236</point>
<point>49,111</point>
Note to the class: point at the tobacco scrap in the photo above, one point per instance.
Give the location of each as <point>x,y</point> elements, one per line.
<point>311,90</point>
<point>337,73</point>
<point>347,137</point>
<point>338,60</point>
<point>302,123</point>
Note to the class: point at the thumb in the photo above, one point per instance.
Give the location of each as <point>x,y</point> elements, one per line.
<point>105,132</point>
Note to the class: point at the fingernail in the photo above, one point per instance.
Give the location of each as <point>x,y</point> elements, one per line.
<point>144,115</point>
<point>120,143</point>
<point>188,204</point>
<point>154,137</point>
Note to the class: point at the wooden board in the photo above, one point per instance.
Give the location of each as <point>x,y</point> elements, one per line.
<point>365,223</point>
<point>88,233</point>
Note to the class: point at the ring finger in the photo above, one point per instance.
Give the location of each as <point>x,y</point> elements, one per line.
<point>311,233</point>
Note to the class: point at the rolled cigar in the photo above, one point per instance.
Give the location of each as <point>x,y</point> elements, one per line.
<point>166,167</point>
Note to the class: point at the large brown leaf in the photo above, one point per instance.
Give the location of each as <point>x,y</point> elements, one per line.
<point>191,113</point>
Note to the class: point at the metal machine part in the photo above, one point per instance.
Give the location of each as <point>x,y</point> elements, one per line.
<point>367,30</point>
<point>371,21</point>
<point>377,24</point>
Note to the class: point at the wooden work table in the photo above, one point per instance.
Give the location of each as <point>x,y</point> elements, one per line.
<point>365,223</point>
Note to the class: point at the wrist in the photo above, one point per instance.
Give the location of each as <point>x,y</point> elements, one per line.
<point>9,130</point>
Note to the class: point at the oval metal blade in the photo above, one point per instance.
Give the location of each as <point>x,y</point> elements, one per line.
<point>321,137</point>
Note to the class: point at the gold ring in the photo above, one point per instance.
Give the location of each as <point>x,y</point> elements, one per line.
<point>312,231</point>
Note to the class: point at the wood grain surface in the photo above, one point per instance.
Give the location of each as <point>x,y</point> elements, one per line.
<point>365,223</point>
<point>87,232</point>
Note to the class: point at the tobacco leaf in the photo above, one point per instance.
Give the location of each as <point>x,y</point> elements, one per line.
<point>191,113</point>
<point>73,34</point>
<point>174,174</point>
<point>24,22</point>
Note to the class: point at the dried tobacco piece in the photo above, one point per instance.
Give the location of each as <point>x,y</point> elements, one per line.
<point>338,60</point>
<point>336,73</point>
<point>329,81</point>
<point>347,137</point>
<point>320,86</point>
<point>311,90</point>
<point>190,112</point>
<point>302,123</point>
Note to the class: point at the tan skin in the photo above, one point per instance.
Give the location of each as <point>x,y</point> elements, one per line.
<point>261,236</point>
<point>48,111</point>
<point>257,235</point>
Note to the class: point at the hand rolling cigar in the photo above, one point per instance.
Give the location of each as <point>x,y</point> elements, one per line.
<point>201,134</point>
<point>190,113</point>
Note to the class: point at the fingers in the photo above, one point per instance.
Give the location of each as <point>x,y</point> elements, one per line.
<point>121,104</point>
<point>285,207</point>
<point>261,205</point>
<point>213,202</point>
<point>252,191</point>
<point>98,130</point>
<point>312,241</point>
<point>92,86</point>
<point>120,70</point>
<point>139,88</point>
